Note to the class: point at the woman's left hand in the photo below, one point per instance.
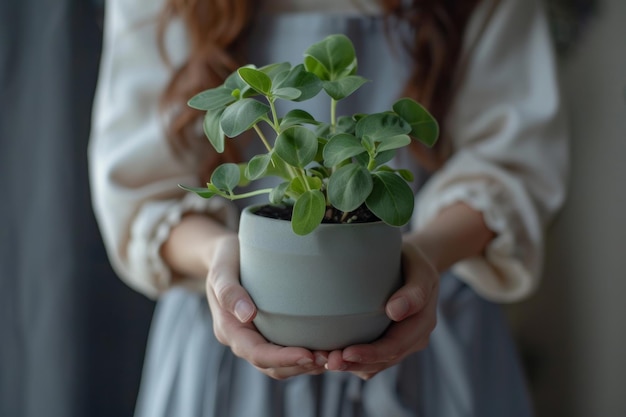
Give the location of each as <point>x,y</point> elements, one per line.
<point>413,309</point>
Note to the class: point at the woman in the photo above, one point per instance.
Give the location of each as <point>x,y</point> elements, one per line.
<point>484,68</point>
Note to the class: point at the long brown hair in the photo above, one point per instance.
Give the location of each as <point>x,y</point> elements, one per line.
<point>217,30</point>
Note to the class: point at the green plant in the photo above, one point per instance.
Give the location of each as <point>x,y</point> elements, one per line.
<point>328,169</point>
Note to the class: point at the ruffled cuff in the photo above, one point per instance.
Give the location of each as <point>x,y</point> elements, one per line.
<point>149,273</point>
<point>507,271</point>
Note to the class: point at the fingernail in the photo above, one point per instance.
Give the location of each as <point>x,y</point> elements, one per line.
<point>320,360</point>
<point>398,308</point>
<point>304,362</point>
<point>243,310</point>
<point>353,358</point>
<point>342,367</point>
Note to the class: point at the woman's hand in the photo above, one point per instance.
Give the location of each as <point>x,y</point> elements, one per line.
<point>413,309</point>
<point>457,232</point>
<point>233,310</point>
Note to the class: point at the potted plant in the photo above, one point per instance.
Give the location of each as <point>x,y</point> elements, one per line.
<point>323,256</point>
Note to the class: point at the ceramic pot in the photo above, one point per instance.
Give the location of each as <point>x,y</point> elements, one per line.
<point>323,291</point>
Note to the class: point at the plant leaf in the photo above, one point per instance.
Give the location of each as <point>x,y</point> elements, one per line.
<point>307,83</point>
<point>406,174</point>
<point>341,147</point>
<point>393,142</point>
<point>297,146</point>
<point>315,67</point>
<point>424,127</point>
<point>273,70</point>
<point>257,166</point>
<point>343,87</point>
<point>345,124</point>
<point>257,80</point>
<point>323,130</point>
<point>242,115</point>
<point>226,177</point>
<point>308,212</point>
<point>201,191</point>
<point>349,186</point>
<point>278,168</point>
<point>392,199</point>
<point>331,58</point>
<point>379,126</point>
<point>238,87</point>
<point>368,144</point>
<point>214,98</point>
<point>243,180</point>
<point>277,195</point>
<point>212,129</point>
<point>287,93</point>
<point>297,186</point>
<point>319,171</point>
<point>384,157</point>
<point>297,117</point>
<point>381,158</point>
<point>234,81</point>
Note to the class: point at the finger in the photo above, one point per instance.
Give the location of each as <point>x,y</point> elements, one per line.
<point>317,371</point>
<point>264,355</point>
<point>284,368</point>
<point>421,282</point>
<point>400,340</point>
<point>223,282</point>
<point>275,361</point>
<point>321,358</point>
<point>365,376</point>
<point>335,361</point>
<point>246,342</point>
<point>285,373</point>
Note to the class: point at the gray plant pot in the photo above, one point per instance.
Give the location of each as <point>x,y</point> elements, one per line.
<point>323,291</point>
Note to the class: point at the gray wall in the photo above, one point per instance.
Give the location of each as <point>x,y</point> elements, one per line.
<point>72,335</point>
<point>573,332</point>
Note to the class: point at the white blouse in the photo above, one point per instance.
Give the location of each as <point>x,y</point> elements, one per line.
<point>507,126</point>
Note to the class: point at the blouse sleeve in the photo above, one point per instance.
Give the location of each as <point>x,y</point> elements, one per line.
<point>133,172</point>
<point>511,150</point>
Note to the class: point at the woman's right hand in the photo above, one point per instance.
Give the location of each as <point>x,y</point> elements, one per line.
<point>233,311</point>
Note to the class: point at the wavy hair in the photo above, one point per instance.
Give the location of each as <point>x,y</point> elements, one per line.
<point>217,32</point>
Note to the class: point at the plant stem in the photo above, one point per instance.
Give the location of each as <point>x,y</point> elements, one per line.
<point>294,173</point>
<point>275,124</point>
<point>333,123</point>
<point>262,136</point>
<point>371,164</point>
<point>333,114</point>
<point>246,195</point>
<point>303,178</point>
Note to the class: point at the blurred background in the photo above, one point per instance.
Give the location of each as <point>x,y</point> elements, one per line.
<point>72,335</point>
<point>573,331</point>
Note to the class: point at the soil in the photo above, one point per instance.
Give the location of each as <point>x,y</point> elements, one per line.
<point>283,212</point>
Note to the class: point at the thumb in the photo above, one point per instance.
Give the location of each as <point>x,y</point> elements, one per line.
<point>420,282</point>
<point>223,282</point>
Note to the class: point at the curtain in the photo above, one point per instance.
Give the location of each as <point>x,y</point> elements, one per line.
<point>72,336</point>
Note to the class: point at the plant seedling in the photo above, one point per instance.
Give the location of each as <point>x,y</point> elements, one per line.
<point>328,170</point>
